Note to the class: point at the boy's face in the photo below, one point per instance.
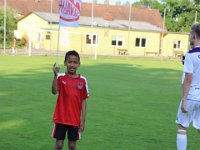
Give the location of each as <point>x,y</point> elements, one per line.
<point>72,63</point>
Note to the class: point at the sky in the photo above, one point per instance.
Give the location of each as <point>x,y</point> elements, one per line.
<point>112,2</point>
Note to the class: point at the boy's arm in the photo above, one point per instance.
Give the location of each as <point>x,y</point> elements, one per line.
<point>54,87</point>
<point>186,88</point>
<point>83,115</point>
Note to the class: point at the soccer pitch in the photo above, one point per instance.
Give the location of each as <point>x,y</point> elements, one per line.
<point>133,103</point>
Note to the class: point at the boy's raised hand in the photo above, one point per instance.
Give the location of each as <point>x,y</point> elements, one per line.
<point>56,69</point>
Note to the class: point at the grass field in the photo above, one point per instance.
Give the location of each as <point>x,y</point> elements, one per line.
<point>133,103</point>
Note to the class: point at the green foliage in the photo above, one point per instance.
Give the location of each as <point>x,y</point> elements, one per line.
<point>146,3</point>
<point>197,2</point>
<point>21,43</point>
<point>179,16</point>
<point>10,27</point>
<point>150,4</point>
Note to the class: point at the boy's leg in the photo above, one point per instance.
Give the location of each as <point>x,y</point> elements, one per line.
<point>59,133</point>
<point>59,145</point>
<point>72,145</point>
<point>73,136</point>
<point>196,121</point>
<point>183,120</point>
<point>181,140</point>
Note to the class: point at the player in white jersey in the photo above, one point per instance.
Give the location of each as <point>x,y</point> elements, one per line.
<point>189,109</point>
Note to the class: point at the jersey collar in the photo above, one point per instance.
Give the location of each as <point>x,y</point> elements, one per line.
<point>67,74</point>
<point>195,50</point>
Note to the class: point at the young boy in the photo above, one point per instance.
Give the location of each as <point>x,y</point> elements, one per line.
<point>70,110</point>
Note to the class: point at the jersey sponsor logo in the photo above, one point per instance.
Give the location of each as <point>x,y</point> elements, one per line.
<point>64,82</point>
<point>80,85</point>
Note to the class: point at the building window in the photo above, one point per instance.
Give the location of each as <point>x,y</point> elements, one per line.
<point>48,36</point>
<point>177,45</point>
<point>140,42</point>
<point>117,41</point>
<point>91,39</point>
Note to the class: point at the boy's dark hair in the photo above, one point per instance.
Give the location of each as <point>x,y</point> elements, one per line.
<point>196,29</point>
<point>72,53</point>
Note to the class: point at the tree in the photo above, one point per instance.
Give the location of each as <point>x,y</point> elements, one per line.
<point>179,14</point>
<point>155,4</point>
<point>197,2</point>
<point>10,27</point>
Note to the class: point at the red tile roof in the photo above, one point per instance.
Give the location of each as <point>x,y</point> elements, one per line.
<point>110,12</point>
<point>26,6</point>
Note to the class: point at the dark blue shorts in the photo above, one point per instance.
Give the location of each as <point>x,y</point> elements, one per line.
<point>60,130</point>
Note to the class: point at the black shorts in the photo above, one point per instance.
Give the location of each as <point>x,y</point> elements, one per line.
<point>59,132</point>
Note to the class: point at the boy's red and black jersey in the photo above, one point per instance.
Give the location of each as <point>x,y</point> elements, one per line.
<point>72,91</point>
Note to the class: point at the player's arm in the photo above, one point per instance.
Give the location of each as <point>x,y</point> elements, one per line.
<point>83,115</point>
<point>186,87</point>
<point>54,87</point>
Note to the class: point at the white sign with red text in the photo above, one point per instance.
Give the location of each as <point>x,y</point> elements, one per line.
<point>70,11</point>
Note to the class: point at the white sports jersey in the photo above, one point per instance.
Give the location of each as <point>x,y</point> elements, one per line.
<point>192,65</point>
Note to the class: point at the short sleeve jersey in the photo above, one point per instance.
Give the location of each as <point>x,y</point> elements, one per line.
<point>71,93</point>
<point>192,65</point>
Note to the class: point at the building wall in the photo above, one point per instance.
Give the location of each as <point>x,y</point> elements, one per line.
<point>30,22</point>
<point>75,38</point>
<point>169,40</point>
<point>105,36</point>
<point>152,42</point>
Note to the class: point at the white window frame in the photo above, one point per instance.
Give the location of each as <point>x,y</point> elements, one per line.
<point>91,38</point>
<point>40,37</point>
<point>117,39</point>
<point>140,42</point>
<point>176,45</point>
